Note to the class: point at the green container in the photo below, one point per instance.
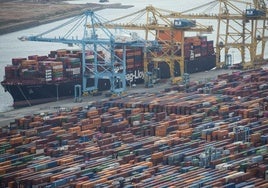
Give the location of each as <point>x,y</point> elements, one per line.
<point>243,166</point>
<point>87,170</point>
<point>135,118</point>
<point>147,117</point>
<point>40,167</point>
<point>262,151</point>
<point>123,153</point>
<point>2,151</point>
<point>27,158</point>
<point>195,162</point>
<point>5,146</point>
<point>196,135</point>
<point>17,163</point>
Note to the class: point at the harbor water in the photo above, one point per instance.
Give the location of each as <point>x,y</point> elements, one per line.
<point>11,47</point>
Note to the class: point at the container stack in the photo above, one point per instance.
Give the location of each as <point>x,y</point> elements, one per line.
<point>71,66</point>
<point>164,139</point>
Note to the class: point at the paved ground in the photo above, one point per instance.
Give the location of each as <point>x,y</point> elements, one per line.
<point>10,116</point>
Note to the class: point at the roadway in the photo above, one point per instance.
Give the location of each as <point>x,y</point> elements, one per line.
<point>10,116</point>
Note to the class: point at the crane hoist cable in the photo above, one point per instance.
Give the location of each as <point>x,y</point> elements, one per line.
<point>122,17</point>
<point>71,21</point>
<point>75,26</point>
<point>211,7</point>
<point>199,7</point>
<point>137,17</point>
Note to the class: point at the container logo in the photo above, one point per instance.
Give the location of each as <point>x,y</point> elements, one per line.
<point>137,74</point>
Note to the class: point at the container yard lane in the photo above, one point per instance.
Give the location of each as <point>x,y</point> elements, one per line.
<point>7,117</point>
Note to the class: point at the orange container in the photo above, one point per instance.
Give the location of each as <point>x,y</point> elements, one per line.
<point>181,120</point>
<point>167,35</point>
<point>65,160</point>
<point>97,122</point>
<point>55,128</point>
<point>92,113</point>
<point>75,129</point>
<point>157,155</point>
<point>16,140</point>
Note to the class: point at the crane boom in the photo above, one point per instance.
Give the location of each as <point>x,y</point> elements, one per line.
<point>153,23</point>
<point>241,25</point>
<point>102,67</point>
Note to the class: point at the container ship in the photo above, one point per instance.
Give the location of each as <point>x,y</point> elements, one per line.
<point>40,79</point>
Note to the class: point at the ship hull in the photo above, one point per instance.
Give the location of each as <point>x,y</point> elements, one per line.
<point>200,64</point>
<point>32,94</point>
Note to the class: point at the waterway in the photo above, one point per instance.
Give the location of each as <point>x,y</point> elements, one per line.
<point>11,47</point>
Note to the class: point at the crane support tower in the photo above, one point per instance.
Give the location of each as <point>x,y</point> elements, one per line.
<point>241,29</point>
<point>98,53</point>
<point>241,133</point>
<point>210,154</point>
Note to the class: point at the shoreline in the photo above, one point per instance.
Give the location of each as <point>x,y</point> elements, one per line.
<point>14,17</point>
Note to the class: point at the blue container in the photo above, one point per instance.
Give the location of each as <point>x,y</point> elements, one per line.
<point>64,142</point>
<point>264,139</point>
<point>207,186</point>
<point>78,158</point>
<point>185,169</point>
<point>116,144</point>
<point>194,185</point>
<point>70,178</point>
<point>116,120</point>
<point>170,129</point>
<point>251,151</point>
<point>12,157</point>
<point>48,186</point>
<point>229,185</point>
<point>52,164</point>
<point>89,174</point>
<point>43,134</point>
<point>84,139</point>
<point>163,148</point>
<point>129,186</point>
<point>54,144</point>
<point>139,169</point>
<point>256,159</point>
<point>234,119</point>
<point>144,157</point>
<point>243,184</point>
<point>254,124</point>
<point>58,183</point>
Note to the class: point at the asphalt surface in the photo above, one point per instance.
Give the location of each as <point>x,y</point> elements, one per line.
<point>10,116</point>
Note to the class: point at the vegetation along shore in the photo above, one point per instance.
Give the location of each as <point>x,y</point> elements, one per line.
<point>18,15</point>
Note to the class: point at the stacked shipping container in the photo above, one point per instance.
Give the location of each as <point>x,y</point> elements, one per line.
<point>169,139</point>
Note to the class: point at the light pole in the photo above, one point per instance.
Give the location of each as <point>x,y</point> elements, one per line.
<point>57,91</point>
<point>232,57</point>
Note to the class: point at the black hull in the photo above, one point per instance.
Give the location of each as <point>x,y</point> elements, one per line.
<point>32,94</point>
<point>200,64</point>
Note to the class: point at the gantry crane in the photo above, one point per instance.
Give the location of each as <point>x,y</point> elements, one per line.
<point>75,32</point>
<point>241,25</point>
<point>168,34</point>
<point>241,28</point>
